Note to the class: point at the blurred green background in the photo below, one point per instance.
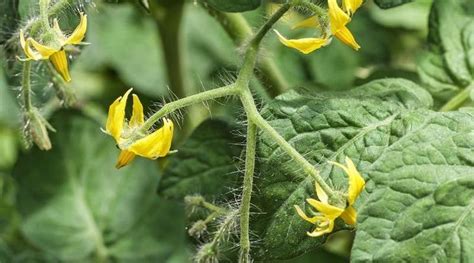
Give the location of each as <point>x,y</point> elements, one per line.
<point>71,204</point>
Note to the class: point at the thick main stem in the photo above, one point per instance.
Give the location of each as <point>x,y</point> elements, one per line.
<point>458,100</point>
<point>247,193</point>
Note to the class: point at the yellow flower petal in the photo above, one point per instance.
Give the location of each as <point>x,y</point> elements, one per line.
<point>331,212</point>
<point>323,197</point>
<point>157,144</point>
<point>349,215</point>
<point>124,159</point>
<point>311,22</point>
<point>347,38</point>
<point>58,31</point>
<point>45,51</point>
<point>79,33</point>
<point>319,231</point>
<point>337,17</point>
<point>304,45</point>
<point>356,182</point>
<point>25,45</point>
<point>116,117</point>
<point>59,61</point>
<point>351,6</point>
<point>138,117</point>
<point>312,220</point>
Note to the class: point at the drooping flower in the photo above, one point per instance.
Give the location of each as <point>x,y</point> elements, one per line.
<point>338,20</point>
<point>326,212</point>
<point>153,145</point>
<point>54,49</point>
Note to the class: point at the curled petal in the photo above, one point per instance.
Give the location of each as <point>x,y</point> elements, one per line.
<point>25,45</point>
<point>337,17</point>
<point>312,220</point>
<point>349,216</point>
<point>323,197</point>
<point>351,6</point>
<point>59,61</point>
<point>311,22</point>
<point>138,117</point>
<point>79,33</point>
<point>45,51</point>
<point>319,231</point>
<point>304,45</point>
<point>347,38</point>
<point>330,211</point>
<point>356,182</point>
<point>58,31</point>
<point>157,144</point>
<point>116,116</point>
<point>124,159</point>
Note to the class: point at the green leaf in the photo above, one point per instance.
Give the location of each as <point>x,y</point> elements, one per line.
<point>391,3</point>
<point>9,110</point>
<point>424,209</point>
<point>8,18</point>
<point>77,206</point>
<point>206,164</point>
<point>448,66</point>
<point>360,123</point>
<point>234,5</point>
<point>413,16</point>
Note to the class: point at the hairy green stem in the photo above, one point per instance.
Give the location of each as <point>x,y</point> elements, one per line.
<point>269,24</point>
<point>64,93</point>
<point>247,193</point>
<point>317,10</point>
<point>240,31</point>
<point>308,168</point>
<point>43,18</point>
<point>458,100</point>
<point>185,102</point>
<point>26,86</point>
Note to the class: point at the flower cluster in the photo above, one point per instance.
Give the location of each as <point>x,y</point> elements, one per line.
<point>54,48</point>
<point>338,20</point>
<point>327,213</point>
<point>151,145</point>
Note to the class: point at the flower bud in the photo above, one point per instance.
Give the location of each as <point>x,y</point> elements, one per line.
<point>37,128</point>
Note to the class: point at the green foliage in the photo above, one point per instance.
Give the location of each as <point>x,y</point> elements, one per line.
<point>421,189</point>
<point>361,123</point>
<point>7,18</point>
<point>85,208</point>
<point>128,42</point>
<point>448,66</point>
<point>206,164</point>
<point>234,5</point>
<point>391,3</point>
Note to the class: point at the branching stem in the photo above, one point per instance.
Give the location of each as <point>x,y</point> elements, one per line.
<point>255,120</point>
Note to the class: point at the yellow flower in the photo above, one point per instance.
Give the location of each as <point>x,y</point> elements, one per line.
<point>350,6</point>
<point>55,51</point>
<point>153,145</point>
<point>304,45</point>
<point>338,20</point>
<point>327,213</point>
